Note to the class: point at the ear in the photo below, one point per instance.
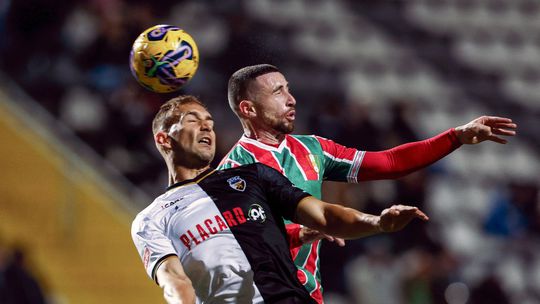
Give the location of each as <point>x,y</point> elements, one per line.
<point>162,139</point>
<point>247,109</point>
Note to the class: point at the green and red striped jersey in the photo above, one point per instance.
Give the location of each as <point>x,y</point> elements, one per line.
<point>306,160</point>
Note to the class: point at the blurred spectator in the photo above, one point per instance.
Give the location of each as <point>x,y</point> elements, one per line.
<point>327,120</point>
<point>429,272</point>
<point>17,284</point>
<point>489,291</point>
<point>514,211</point>
<point>375,277</point>
<point>357,128</point>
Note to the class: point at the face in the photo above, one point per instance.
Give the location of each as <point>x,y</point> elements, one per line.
<point>274,103</point>
<point>193,140</point>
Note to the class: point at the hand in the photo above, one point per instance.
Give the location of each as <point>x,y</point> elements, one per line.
<point>308,235</point>
<point>486,128</point>
<point>398,216</point>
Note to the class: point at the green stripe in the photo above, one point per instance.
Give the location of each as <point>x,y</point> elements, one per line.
<point>303,255</point>
<point>240,155</point>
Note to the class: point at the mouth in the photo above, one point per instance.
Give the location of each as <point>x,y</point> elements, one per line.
<point>205,140</point>
<point>291,115</point>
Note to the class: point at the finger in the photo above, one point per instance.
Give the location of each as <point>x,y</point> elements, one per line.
<point>389,211</point>
<point>512,126</point>
<point>497,139</point>
<point>503,132</point>
<point>413,211</point>
<point>496,119</point>
<point>340,242</point>
<point>405,207</point>
<point>421,215</point>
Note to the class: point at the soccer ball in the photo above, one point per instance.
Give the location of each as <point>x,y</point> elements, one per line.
<point>163,58</point>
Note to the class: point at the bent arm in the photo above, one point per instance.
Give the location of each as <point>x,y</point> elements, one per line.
<point>348,223</point>
<point>177,287</point>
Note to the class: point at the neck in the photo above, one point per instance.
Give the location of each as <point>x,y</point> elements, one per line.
<point>265,135</point>
<point>180,173</point>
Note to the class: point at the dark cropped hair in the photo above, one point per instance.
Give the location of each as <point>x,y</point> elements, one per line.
<point>166,117</point>
<point>241,79</point>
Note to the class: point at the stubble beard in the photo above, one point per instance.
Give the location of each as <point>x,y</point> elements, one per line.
<point>193,158</point>
<point>285,127</point>
<point>282,126</point>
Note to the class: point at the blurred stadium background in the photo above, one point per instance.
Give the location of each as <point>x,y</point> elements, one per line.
<point>78,160</point>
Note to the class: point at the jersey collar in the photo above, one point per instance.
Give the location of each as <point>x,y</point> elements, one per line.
<point>261,145</point>
<point>194,180</point>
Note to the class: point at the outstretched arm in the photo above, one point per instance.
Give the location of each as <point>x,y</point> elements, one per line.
<point>177,288</point>
<point>348,223</point>
<point>407,158</point>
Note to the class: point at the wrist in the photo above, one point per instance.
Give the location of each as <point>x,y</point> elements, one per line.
<point>378,225</point>
<point>454,134</point>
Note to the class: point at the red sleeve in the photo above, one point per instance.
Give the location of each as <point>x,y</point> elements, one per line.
<point>407,158</point>
<point>293,235</point>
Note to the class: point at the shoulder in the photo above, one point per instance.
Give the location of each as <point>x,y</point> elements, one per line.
<point>253,167</point>
<point>151,210</point>
<point>309,137</point>
<point>310,142</point>
<point>266,172</point>
<point>242,169</point>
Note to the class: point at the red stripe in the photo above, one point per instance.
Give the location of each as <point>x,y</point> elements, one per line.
<point>317,294</point>
<point>301,276</point>
<point>311,263</point>
<point>263,156</point>
<point>302,157</point>
<point>336,150</point>
<point>311,266</point>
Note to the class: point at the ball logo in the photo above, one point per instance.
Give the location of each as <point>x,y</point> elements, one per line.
<point>256,213</point>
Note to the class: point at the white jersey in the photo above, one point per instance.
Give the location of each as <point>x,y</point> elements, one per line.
<point>188,221</point>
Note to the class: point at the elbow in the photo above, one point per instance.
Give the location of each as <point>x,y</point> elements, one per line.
<point>180,291</point>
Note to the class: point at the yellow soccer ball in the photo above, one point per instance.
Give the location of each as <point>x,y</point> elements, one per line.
<point>164,58</point>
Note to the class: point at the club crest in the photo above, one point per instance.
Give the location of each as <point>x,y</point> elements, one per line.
<point>237,183</point>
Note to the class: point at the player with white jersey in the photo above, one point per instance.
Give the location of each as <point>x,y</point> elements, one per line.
<point>218,236</point>
<point>222,224</point>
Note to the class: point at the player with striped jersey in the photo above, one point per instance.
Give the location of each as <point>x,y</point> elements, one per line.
<point>259,95</point>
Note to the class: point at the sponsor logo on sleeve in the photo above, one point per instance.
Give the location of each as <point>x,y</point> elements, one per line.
<point>146,257</point>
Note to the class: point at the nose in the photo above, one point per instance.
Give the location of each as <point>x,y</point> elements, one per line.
<point>291,102</point>
<point>206,125</point>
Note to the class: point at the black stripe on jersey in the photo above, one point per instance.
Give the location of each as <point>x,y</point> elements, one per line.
<point>262,239</point>
<point>158,263</point>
